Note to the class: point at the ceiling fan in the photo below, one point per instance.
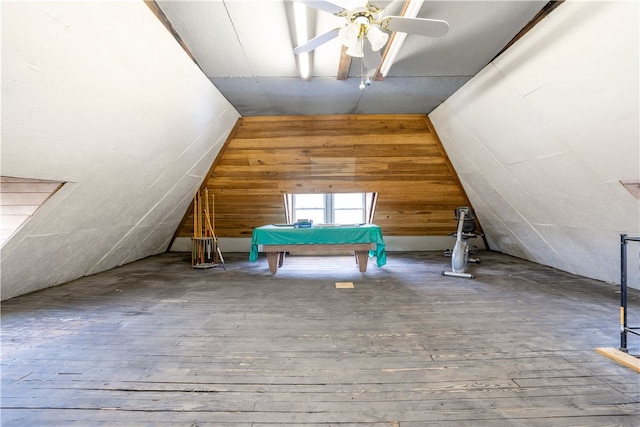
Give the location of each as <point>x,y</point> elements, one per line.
<point>364,31</point>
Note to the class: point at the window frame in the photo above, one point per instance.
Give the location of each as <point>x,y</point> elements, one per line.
<point>369,200</point>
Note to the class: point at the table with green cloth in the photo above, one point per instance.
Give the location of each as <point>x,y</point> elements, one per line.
<point>275,240</point>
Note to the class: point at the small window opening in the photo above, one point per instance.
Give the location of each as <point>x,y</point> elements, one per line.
<point>19,200</point>
<point>632,186</point>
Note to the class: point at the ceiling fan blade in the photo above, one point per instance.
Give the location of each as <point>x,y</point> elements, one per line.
<point>420,26</point>
<point>325,6</point>
<point>316,42</point>
<point>380,4</point>
<point>372,59</point>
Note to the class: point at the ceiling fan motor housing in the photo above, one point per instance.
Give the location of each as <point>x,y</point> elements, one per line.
<point>361,23</point>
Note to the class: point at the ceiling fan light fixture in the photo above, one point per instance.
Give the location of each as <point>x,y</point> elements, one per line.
<point>377,38</point>
<point>362,24</point>
<point>349,36</point>
<point>355,50</point>
<point>361,20</point>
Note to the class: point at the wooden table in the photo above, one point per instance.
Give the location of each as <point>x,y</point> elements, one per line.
<point>364,240</point>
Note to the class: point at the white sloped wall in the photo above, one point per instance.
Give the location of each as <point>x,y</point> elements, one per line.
<point>99,95</point>
<point>543,135</point>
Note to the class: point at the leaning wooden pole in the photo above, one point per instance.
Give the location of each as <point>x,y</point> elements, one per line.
<point>206,211</point>
<point>199,217</point>
<point>213,230</point>
<point>195,212</point>
<point>194,245</point>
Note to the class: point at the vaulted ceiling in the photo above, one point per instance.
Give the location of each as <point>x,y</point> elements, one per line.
<point>246,49</point>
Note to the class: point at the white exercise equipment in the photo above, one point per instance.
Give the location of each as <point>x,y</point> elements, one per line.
<point>460,253</point>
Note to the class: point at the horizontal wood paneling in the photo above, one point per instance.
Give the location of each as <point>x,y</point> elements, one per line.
<point>397,156</point>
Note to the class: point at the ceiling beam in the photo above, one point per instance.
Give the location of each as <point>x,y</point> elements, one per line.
<point>377,76</point>
<point>345,64</point>
<point>165,21</point>
<point>543,13</point>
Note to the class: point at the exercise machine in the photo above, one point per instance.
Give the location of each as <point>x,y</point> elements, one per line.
<point>462,248</point>
<point>624,327</point>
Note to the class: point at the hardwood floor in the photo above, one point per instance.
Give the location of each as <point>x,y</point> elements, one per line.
<point>156,343</point>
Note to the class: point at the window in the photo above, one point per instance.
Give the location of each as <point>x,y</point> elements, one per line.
<point>19,200</point>
<point>348,208</point>
<point>311,207</point>
<point>330,208</point>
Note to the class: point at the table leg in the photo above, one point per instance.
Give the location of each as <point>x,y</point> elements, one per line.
<point>281,259</point>
<point>362,258</point>
<point>273,257</point>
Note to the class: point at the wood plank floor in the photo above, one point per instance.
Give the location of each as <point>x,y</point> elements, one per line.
<point>156,343</point>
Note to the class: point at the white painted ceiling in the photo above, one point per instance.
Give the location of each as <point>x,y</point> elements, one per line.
<point>246,49</point>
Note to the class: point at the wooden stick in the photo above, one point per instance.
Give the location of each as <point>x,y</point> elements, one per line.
<point>195,215</point>
<point>213,217</point>
<point>213,230</point>
<point>194,242</point>
<point>199,219</point>
<point>206,209</point>
<point>209,223</point>
<point>210,227</point>
<point>195,208</point>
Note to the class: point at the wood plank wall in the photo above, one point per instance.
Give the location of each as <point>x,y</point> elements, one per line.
<point>397,156</point>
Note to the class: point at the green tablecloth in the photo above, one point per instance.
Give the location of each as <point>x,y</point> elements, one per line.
<point>287,235</point>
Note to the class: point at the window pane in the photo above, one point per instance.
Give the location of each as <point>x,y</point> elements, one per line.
<point>308,201</point>
<point>348,200</point>
<point>349,216</point>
